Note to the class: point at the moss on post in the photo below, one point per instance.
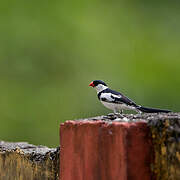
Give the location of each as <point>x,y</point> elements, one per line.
<point>165,131</point>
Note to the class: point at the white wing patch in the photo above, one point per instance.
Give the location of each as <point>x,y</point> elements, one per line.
<point>109,97</point>
<point>116,96</point>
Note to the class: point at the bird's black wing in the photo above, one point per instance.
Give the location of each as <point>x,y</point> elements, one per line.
<point>112,96</point>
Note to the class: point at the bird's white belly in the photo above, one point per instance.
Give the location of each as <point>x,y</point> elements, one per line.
<point>117,107</point>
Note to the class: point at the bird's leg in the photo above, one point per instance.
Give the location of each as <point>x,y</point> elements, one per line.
<point>121,114</point>
<point>121,111</point>
<point>118,114</point>
<point>115,111</point>
<point>138,111</point>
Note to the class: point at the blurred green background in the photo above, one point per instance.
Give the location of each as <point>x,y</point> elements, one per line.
<point>51,50</point>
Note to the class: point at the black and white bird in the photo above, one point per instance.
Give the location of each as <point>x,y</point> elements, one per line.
<point>118,102</point>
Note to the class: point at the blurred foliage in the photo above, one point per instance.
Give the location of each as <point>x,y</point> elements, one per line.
<point>51,50</point>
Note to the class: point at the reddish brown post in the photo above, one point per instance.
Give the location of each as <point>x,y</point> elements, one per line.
<point>105,150</point>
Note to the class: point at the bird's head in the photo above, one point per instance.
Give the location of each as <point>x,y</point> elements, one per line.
<point>98,85</point>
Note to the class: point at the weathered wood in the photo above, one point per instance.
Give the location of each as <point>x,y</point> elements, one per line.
<point>132,147</point>
<point>23,161</point>
<point>165,131</point>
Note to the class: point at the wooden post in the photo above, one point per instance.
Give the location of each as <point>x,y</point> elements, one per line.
<point>23,161</point>
<point>112,148</point>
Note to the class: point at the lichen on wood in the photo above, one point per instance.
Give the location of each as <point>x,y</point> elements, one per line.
<point>23,161</point>
<point>165,130</point>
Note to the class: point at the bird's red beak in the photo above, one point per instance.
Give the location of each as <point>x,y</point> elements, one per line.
<point>91,84</point>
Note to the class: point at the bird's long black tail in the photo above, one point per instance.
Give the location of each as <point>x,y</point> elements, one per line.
<point>152,110</point>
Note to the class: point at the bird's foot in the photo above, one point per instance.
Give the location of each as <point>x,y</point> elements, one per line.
<point>118,115</point>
